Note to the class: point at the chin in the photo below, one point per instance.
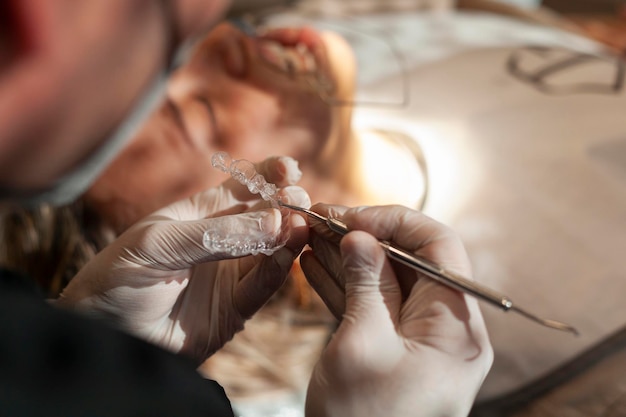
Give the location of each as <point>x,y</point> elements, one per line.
<point>341,65</point>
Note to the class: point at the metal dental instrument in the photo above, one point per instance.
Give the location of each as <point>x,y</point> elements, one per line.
<point>440,275</point>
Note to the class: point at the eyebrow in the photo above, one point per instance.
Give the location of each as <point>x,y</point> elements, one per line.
<point>179,121</point>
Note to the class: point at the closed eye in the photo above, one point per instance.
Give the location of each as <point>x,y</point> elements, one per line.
<point>212,119</point>
<point>173,111</point>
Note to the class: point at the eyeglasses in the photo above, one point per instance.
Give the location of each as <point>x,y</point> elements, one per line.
<point>318,83</point>
<point>560,61</point>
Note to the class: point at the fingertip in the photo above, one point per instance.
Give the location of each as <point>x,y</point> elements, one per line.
<point>289,169</point>
<point>295,195</point>
<point>357,242</point>
<point>280,170</point>
<point>362,256</point>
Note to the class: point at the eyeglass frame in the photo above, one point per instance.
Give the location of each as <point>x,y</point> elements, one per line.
<point>538,78</point>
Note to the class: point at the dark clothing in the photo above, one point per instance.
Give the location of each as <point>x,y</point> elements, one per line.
<point>56,363</point>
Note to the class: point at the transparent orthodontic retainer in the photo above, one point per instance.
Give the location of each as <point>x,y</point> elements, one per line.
<point>241,244</point>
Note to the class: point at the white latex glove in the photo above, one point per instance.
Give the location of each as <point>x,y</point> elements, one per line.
<point>406,346</point>
<point>165,286</point>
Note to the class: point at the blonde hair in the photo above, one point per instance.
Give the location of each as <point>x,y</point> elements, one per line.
<point>50,244</point>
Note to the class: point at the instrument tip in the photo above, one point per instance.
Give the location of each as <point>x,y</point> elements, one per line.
<point>553,324</point>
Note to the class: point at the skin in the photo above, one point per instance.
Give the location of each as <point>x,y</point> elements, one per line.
<point>231,97</point>
<point>55,51</point>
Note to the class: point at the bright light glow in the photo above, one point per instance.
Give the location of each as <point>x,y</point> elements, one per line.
<point>392,174</point>
<point>453,169</point>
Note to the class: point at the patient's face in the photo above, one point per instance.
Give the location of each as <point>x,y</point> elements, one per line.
<point>233,94</point>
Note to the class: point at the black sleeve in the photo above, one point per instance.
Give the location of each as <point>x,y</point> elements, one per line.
<point>55,363</point>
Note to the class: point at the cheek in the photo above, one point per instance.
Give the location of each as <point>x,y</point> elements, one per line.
<point>245,115</point>
<point>181,177</point>
<point>143,182</point>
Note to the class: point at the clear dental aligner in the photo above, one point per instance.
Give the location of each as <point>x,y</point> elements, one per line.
<point>244,172</point>
<point>239,244</point>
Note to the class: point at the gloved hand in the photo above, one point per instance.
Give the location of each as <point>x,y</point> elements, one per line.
<point>165,286</point>
<point>406,345</point>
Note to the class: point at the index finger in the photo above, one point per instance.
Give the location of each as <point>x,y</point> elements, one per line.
<point>413,231</point>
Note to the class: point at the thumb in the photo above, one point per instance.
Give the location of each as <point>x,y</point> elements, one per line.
<point>176,245</point>
<point>373,295</point>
